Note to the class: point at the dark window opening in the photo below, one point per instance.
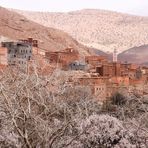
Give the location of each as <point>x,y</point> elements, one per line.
<point>9,50</point>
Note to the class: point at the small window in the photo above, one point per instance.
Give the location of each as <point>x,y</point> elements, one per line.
<point>9,50</point>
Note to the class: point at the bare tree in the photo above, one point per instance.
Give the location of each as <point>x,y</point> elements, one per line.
<point>46,111</point>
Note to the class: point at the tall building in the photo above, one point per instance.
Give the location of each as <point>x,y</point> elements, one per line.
<point>17,52</point>
<point>115,59</point>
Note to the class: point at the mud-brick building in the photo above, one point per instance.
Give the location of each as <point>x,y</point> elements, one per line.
<point>63,58</point>
<point>35,46</point>
<point>95,60</point>
<point>104,69</point>
<point>77,65</point>
<point>144,70</point>
<point>31,41</point>
<point>120,81</point>
<point>109,69</point>
<point>97,85</point>
<point>145,73</point>
<point>133,74</point>
<point>125,66</point>
<point>16,52</point>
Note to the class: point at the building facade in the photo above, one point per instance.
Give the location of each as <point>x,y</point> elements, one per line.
<point>77,65</point>
<point>63,58</point>
<point>17,52</point>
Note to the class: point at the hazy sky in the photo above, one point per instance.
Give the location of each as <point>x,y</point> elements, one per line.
<point>138,7</point>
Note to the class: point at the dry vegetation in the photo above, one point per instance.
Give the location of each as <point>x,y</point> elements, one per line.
<point>47,112</point>
<point>104,30</point>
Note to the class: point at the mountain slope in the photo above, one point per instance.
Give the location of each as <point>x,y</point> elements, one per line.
<point>137,55</point>
<point>99,29</point>
<point>15,26</point>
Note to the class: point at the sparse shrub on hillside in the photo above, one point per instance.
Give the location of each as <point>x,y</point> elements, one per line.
<point>134,107</point>
<point>38,111</point>
<point>33,113</point>
<point>118,99</point>
<point>104,131</point>
<point>99,29</point>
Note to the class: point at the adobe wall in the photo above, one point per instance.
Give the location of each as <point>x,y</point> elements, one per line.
<point>120,81</point>
<point>100,92</point>
<point>3,56</point>
<point>64,57</point>
<point>95,60</point>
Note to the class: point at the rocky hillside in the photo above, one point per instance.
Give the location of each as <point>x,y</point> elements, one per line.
<point>15,26</point>
<point>99,29</point>
<point>135,55</point>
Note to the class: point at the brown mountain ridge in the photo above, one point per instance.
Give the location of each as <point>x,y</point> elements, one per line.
<point>99,29</point>
<point>15,26</point>
<point>137,55</point>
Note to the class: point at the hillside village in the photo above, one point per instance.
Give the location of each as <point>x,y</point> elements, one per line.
<point>104,77</point>
<point>83,86</point>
